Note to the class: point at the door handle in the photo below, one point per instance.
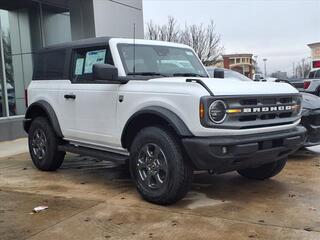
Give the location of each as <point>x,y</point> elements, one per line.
<point>70,96</point>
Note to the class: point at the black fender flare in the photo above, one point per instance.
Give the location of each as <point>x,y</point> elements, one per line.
<point>168,116</point>
<point>33,110</point>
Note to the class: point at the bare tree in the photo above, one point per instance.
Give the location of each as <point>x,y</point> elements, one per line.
<point>203,39</point>
<point>168,32</point>
<point>7,58</point>
<point>152,31</point>
<point>302,69</point>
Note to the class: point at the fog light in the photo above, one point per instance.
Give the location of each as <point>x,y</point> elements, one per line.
<point>224,150</point>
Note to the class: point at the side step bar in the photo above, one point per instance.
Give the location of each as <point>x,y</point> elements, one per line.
<point>110,156</point>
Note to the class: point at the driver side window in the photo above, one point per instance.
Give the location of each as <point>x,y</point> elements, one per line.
<point>83,62</point>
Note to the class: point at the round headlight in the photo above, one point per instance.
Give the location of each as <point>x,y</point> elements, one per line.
<point>217,111</point>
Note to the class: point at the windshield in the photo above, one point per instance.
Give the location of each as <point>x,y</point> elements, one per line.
<point>160,61</point>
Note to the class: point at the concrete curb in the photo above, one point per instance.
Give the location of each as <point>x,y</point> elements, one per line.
<point>14,147</point>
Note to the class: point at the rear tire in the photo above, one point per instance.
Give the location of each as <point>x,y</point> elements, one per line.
<point>158,168</point>
<point>265,171</point>
<point>43,145</point>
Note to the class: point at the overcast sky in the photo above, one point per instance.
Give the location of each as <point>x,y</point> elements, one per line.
<point>278,30</point>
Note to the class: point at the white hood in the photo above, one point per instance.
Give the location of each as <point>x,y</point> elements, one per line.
<point>233,86</point>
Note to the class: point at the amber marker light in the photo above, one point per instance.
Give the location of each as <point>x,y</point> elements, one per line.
<point>297,108</point>
<point>201,111</point>
<point>233,111</point>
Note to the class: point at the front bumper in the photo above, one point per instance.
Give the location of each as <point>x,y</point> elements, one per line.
<point>229,153</point>
<point>311,121</point>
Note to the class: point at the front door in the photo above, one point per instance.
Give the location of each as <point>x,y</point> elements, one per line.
<point>89,108</point>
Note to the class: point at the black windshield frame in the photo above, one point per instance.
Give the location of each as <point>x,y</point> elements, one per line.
<point>195,63</point>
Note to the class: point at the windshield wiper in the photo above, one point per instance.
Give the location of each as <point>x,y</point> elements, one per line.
<point>147,74</point>
<point>188,75</point>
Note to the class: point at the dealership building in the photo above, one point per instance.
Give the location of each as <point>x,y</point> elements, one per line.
<point>28,25</point>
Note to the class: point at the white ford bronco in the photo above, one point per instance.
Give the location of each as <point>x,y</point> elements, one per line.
<point>152,105</point>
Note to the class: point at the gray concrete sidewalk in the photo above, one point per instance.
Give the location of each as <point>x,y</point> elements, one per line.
<point>9,148</point>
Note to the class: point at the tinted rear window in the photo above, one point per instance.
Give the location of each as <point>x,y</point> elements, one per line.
<point>49,65</point>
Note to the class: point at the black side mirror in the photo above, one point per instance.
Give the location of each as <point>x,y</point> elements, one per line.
<point>105,72</point>
<point>218,73</point>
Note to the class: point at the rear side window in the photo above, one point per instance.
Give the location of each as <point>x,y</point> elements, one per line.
<point>317,74</point>
<point>50,65</point>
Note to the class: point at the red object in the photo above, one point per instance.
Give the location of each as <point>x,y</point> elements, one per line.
<point>306,84</point>
<point>26,97</point>
<point>316,64</point>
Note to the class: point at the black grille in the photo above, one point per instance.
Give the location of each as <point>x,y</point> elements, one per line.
<point>262,111</point>
<point>268,116</point>
<point>285,100</point>
<point>267,101</point>
<point>249,102</point>
<point>256,111</point>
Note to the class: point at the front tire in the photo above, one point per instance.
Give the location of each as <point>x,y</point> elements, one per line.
<point>43,145</point>
<point>158,168</point>
<point>265,171</point>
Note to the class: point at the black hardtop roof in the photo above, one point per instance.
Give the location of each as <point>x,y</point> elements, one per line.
<point>89,42</point>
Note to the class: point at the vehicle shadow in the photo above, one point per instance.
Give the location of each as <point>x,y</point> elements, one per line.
<point>233,187</point>
<point>224,187</point>
<point>97,167</point>
<point>229,187</point>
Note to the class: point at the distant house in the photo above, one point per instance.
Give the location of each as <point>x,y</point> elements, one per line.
<point>242,63</point>
<point>315,54</point>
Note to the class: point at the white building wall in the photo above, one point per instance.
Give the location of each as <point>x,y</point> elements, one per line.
<point>97,18</point>
<point>117,18</point>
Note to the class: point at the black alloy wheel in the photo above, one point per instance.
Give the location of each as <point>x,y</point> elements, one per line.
<point>152,166</point>
<point>39,144</point>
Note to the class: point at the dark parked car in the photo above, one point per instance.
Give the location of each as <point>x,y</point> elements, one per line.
<point>311,118</point>
<point>296,82</point>
<point>310,113</point>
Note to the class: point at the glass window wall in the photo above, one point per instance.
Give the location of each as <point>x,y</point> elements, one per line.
<point>22,32</point>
